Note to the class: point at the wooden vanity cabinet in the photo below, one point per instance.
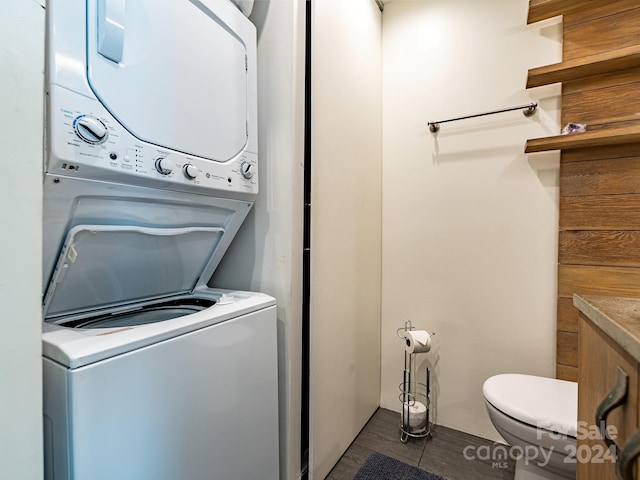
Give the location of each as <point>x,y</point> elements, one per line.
<point>599,359</point>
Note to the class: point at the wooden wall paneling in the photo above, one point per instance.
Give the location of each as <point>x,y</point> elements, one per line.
<point>601,212</point>
<point>602,34</point>
<point>604,248</point>
<point>567,316</point>
<point>600,177</point>
<point>575,11</point>
<point>544,9</point>
<point>592,106</point>
<point>599,218</point>
<point>596,280</point>
<point>599,82</point>
<point>564,372</point>
<point>567,349</point>
<point>567,340</point>
<point>610,152</point>
<point>590,11</point>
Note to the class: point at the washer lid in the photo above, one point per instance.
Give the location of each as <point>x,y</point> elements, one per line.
<point>107,265</point>
<point>541,402</point>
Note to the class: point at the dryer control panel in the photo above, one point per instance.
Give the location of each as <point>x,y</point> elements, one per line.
<point>86,141</point>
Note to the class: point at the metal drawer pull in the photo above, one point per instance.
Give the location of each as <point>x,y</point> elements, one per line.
<point>626,459</point>
<point>615,398</point>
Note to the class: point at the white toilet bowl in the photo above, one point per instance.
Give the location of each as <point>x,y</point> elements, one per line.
<point>538,418</point>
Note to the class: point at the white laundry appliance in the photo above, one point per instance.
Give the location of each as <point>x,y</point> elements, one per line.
<point>151,168</point>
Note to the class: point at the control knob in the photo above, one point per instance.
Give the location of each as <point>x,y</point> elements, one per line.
<point>246,169</point>
<point>164,166</point>
<point>190,171</point>
<point>90,129</point>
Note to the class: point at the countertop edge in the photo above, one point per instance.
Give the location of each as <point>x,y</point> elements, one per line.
<point>598,310</point>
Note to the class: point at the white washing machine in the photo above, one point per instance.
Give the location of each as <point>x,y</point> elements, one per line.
<point>151,168</point>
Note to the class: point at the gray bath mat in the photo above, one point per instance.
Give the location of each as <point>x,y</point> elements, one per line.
<point>381,467</point>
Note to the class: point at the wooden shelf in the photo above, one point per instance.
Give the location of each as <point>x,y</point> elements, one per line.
<point>597,138</point>
<point>543,9</point>
<point>621,59</point>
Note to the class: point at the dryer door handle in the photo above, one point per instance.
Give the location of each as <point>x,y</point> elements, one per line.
<point>111,23</point>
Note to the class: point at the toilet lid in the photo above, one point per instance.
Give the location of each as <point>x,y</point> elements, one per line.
<point>541,402</point>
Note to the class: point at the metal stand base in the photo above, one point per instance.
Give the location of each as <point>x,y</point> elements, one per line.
<point>412,392</point>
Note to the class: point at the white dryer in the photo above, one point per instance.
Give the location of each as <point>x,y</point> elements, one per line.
<point>151,168</point>
<point>160,94</point>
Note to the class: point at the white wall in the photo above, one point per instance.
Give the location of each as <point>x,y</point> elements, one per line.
<point>266,255</point>
<point>346,225</point>
<point>21,87</point>
<point>469,221</point>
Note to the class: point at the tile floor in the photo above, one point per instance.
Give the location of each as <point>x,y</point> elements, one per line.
<point>443,453</point>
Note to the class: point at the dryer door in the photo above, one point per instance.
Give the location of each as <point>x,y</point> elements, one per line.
<point>160,66</point>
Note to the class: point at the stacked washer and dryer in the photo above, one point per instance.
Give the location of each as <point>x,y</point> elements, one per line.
<point>151,168</point>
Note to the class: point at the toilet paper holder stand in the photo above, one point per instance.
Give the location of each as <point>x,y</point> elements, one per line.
<point>413,393</point>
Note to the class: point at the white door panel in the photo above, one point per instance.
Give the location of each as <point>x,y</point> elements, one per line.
<point>158,66</point>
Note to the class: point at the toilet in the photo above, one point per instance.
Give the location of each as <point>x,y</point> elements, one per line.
<point>538,418</point>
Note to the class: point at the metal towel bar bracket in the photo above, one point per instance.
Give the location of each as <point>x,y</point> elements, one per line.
<point>527,110</point>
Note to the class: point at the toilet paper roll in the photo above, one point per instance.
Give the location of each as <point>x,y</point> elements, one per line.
<point>415,414</point>
<point>418,341</point>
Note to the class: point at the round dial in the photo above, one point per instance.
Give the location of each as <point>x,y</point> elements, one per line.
<point>164,166</point>
<point>90,129</point>
<point>246,169</point>
<point>190,171</point>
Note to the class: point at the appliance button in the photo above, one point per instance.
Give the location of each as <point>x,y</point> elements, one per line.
<point>164,166</point>
<point>190,171</point>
